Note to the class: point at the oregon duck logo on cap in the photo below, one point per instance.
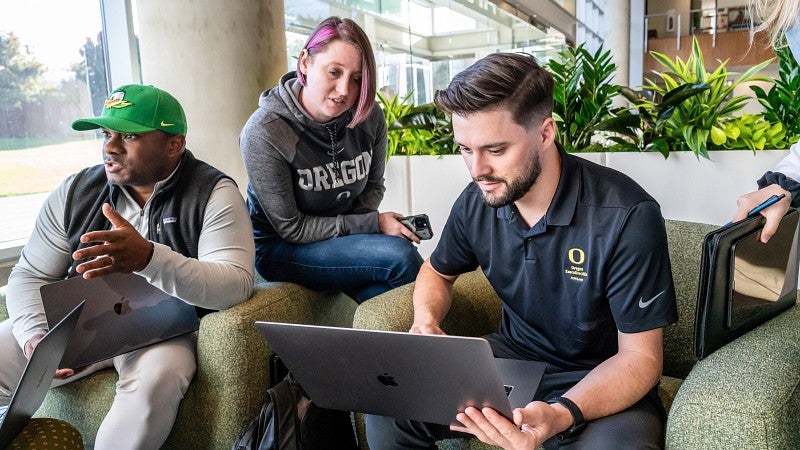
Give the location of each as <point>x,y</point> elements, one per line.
<point>116,100</point>
<point>150,109</point>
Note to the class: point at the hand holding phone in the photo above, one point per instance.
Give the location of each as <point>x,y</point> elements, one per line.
<point>419,225</point>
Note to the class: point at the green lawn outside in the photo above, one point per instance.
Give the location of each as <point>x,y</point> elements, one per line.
<point>13,143</point>
<point>40,169</point>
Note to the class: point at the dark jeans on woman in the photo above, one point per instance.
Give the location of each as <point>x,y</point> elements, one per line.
<point>639,427</point>
<point>360,265</point>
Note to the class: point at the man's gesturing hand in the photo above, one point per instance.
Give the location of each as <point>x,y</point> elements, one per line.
<point>121,249</point>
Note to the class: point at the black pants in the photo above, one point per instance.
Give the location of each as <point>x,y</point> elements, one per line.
<point>639,427</point>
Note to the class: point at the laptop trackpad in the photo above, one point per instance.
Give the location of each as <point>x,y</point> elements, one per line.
<point>521,379</point>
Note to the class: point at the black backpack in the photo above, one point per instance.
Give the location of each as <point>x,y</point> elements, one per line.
<point>289,420</point>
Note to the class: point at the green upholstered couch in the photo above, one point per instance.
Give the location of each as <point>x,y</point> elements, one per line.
<point>744,396</point>
<point>231,380</point>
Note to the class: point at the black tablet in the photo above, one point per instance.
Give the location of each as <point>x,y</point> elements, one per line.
<point>744,282</point>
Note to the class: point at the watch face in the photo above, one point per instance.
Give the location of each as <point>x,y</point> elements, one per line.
<point>574,430</point>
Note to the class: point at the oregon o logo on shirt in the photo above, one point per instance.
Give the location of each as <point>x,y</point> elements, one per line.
<point>576,256</point>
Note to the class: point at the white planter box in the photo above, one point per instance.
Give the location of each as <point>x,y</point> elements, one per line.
<point>698,191</point>
<point>429,185</point>
<point>687,189</point>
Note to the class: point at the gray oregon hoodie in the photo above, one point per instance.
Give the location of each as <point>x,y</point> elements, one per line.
<point>311,181</point>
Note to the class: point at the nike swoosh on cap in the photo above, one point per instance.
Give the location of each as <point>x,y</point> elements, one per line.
<point>166,124</point>
<point>643,304</point>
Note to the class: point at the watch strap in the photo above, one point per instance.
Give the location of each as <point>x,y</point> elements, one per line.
<point>578,422</point>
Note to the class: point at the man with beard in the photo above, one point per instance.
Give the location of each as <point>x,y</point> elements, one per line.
<point>576,251</point>
<point>153,209</point>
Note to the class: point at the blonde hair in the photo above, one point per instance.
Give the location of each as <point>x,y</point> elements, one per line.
<point>776,17</point>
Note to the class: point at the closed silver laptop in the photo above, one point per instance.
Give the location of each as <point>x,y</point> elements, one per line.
<point>123,313</point>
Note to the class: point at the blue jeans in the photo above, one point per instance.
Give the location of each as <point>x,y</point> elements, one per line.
<point>360,265</point>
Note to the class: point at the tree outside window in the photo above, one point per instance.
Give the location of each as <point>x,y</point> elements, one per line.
<point>52,71</point>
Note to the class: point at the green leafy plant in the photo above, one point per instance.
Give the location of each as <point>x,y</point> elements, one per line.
<point>782,102</point>
<point>643,127</point>
<point>416,130</point>
<point>701,115</point>
<point>394,109</point>
<point>751,131</point>
<point>582,94</point>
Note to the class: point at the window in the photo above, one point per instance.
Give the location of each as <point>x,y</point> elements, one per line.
<point>50,74</point>
<point>420,45</point>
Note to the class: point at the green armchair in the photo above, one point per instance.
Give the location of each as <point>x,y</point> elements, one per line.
<point>232,368</point>
<point>745,395</point>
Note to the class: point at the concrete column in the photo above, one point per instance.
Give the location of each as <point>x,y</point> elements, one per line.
<point>215,58</point>
<point>637,36</point>
<point>617,36</point>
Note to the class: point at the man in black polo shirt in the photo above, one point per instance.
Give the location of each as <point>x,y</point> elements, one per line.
<point>577,252</point>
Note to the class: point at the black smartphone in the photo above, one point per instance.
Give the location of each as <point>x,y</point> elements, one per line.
<point>419,225</point>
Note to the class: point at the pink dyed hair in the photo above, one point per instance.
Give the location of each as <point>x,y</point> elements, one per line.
<point>334,28</point>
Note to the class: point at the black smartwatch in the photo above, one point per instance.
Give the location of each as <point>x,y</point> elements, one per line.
<point>578,424</point>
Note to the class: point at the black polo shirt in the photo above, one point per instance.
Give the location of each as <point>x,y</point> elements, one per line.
<point>596,263</point>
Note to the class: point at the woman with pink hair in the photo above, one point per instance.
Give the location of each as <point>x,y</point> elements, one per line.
<point>315,152</point>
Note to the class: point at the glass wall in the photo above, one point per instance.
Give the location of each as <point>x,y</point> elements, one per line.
<point>45,83</point>
<point>672,19</point>
<point>53,69</point>
<point>419,44</point>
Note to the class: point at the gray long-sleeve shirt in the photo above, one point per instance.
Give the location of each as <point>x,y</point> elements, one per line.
<point>221,276</point>
<point>295,192</point>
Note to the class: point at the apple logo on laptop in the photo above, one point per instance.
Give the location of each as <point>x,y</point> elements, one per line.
<point>387,380</point>
<point>122,307</point>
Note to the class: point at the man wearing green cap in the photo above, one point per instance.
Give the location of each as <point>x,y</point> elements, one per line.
<point>151,208</point>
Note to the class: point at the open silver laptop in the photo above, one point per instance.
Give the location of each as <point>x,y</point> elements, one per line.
<point>123,313</point>
<point>422,377</point>
<point>37,377</point>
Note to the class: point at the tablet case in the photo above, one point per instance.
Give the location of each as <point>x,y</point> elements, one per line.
<point>717,322</point>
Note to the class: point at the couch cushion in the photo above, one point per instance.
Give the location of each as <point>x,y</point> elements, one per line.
<point>744,395</point>
<point>97,389</point>
<point>668,389</point>
<point>685,249</point>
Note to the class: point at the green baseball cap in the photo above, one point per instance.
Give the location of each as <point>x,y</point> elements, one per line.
<point>137,108</point>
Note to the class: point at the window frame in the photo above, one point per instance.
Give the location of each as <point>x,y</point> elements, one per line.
<point>122,66</point>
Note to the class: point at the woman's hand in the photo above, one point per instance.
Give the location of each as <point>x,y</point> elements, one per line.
<point>773,213</point>
<point>389,225</point>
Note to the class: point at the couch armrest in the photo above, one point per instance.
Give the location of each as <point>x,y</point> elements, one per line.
<point>475,310</point>
<point>744,395</point>
<point>232,375</point>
